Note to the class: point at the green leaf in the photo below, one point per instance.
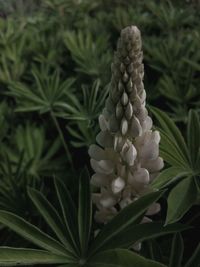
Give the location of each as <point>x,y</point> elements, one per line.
<point>121,258</point>
<point>84,210</point>
<point>31,233</point>
<point>176,251</point>
<point>194,261</point>
<point>51,217</point>
<point>180,199</point>
<point>170,151</point>
<point>141,232</point>
<point>194,64</point>
<point>172,131</point>
<point>168,176</point>
<point>193,133</point>
<point>22,256</point>
<point>124,219</point>
<point>69,212</point>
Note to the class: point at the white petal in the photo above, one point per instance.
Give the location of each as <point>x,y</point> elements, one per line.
<point>110,105</point>
<point>137,246</point>
<point>124,99</point>
<point>119,110</point>
<point>125,202</point>
<point>102,166</point>
<point>136,187</point>
<point>143,96</point>
<point>147,124</point>
<point>103,123</point>
<point>142,114</point>
<point>99,179</point>
<point>149,151</point>
<point>107,200</point>
<point>96,199</point>
<point>146,220</point>
<point>135,127</point>
<point>130,155</point>
<point>96,152</point>
<point>105,139</point>
<point>129,111</point>
<point>105,215</point>
<point>154,165</point>
<point>117,185</point>
<point>141,176</point>
<point>153,209</point>
<point>118,142</point>
<point>113,124</point>
<point>124,126</point>
<point>137,104</point>
<point>121,170</point>
<point>156,136</point>
<point>126,194</point>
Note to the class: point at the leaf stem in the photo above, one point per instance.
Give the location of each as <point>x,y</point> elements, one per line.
<point>62,139</point>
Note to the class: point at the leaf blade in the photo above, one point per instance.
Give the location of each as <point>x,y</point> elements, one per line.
<point>21,256</point>
<point>124,219</point>
<point>84,210</point>
<point>176,251</point>
<point>31,233</point>
<point>168,176</point>
<point>50,215</point>
<point>121,258</point>
<point>141,232</point>
<point>69,212</point>
<point>180,199</point>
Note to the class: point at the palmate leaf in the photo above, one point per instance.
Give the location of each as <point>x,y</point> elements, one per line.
<point>170,129</point>
<point>72,250</point>
<point>39,152</point>
<point>91,54</point>
<point>181,198</point>
<point>51,216</point>
<point>120,223</point>
<point>168,17</point>
<point>88,107</point>
<point>69,213</point>
<point>170,151</point>
<point>184,161</point>
<point>169,176</point>
<point>32,233</point>
<point>121,258</point>
<point>142,232</point>
<point>22,256</point>
<point>82,134</point>
<point>44,95</point>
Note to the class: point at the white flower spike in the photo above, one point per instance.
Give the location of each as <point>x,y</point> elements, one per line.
<point>128,157</point>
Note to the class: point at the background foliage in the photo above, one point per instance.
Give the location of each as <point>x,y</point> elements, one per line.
<point>55,58</point>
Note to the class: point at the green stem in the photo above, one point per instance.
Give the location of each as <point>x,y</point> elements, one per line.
<point>62,139</point>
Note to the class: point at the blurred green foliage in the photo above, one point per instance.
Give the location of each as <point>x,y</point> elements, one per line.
<point>55,58</point>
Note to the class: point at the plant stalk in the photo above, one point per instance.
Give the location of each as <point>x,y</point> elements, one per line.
<point>62,139</point>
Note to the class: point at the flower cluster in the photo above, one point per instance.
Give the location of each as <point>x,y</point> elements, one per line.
<point>127,157</point>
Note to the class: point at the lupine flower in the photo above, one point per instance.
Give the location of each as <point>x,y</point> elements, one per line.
<point>126,158</point>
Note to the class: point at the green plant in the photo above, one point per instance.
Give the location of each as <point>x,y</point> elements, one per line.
<point>91,54</point>
<point>73,243</point>
<point>54,68</point>
<point>183,156</point>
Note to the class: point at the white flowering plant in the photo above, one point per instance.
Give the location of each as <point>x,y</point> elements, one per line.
<point>127,185</point>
